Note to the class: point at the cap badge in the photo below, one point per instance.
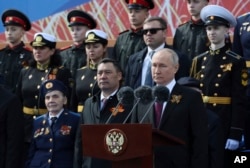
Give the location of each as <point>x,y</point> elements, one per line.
<point>211,17</point>
<point>49,85</point>
<point>134,1</point>
<point>73,19</point>
<point>39,39</point>
<point>91,36</point>
<point>10,18</point>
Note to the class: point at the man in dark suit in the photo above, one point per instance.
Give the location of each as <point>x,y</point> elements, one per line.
<point>101,108</point>
<point>54,133</point>
<point>183,116</point>
<point>11,130</point>
<point>138,69</point>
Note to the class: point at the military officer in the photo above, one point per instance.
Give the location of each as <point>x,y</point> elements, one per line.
<point>15,55</point>
<point>131,40</point>
<point>54,133</point>
<point>85,81</point>
<point>241,47</point>
<point>74,56</point>
<point>223,77</point>
<point>45,65</point>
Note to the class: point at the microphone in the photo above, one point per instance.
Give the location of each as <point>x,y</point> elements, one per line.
<point>143,94</point>
<point>125,95</point>
<point>160,94</point>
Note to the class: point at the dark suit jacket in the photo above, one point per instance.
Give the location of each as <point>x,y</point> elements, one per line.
<point>53,148</point>
<point>187,120</point>
<point>135,64</point>
<point>11,130</point>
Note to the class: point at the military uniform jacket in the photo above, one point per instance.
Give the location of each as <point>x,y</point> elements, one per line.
<point>85,86</point>
<point>12,60</point>
<point>222,73</point>
<point>74,57</point>
<point>28,90</point>
<point>127,43</point>
<point>191,38</point>
<point>53,148</point>
<point>135,64</point>
<point>93,114</point>
<point>11,134</point>
<point>185,118</point>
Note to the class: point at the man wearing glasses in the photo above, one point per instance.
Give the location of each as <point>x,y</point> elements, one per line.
<point>138,71</point>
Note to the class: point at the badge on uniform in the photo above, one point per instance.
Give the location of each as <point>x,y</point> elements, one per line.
<point>65,129</point>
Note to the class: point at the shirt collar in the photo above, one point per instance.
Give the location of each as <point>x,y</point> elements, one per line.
<point>112,94</point>
<point>58,114</point>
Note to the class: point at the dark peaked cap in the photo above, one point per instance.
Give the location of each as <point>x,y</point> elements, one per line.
<point>78,17</point>
<point>16,18</point>
<point>139,4</point>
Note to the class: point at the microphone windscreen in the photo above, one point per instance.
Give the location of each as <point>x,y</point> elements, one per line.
<point>144,93</point>
<point>161,93</point>
<point>126,95</point>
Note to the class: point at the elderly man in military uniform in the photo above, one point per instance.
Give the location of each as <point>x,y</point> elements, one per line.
<point>15,55</point>
<point>223,77</point>
<point>131,41</point>
<point>74,56</point>
<point>54,133</point>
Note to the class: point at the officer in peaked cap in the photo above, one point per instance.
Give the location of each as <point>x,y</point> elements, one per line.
<point>17,18</point>
<point>15,55</point>
<point>223,77</point>
<point>78,17</point>
<point>74,55</point>
<point>43,39</point>
<point>138,4</point>
<point>96,36</point>
<point>217,15</point>
<point>52,85</point>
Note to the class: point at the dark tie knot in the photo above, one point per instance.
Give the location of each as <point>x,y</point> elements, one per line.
<point>53,120</point>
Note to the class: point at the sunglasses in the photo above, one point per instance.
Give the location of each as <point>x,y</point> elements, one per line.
<point>151,31</point>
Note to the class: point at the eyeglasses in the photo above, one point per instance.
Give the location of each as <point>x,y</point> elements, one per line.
<point>151,31</point>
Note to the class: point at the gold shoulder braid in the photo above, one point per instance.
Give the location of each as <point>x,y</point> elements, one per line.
<point>193,70</point>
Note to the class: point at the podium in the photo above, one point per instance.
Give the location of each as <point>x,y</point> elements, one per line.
<point>126,145</point>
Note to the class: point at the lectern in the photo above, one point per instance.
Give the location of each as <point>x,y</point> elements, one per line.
<point>126,145</point>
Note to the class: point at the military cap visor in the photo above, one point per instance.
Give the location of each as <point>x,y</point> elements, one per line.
<point>16,18</point>
<point>96,36</point>
<point>77,17</point>
<point>43,39</point>
<point>217,15</point>
<point>140,4</point>
<point>52,85</point>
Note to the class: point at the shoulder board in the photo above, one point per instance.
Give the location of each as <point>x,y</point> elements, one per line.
<point>27,48</point>
<point>27,67</point>
<point>202,54</point>
<point>245,14</point>
<point>64,48</point>
<point>233,54</point>
<point>61,67</point>
<point>123,32</point>
<point>83,67</point>
<point>183,23</point>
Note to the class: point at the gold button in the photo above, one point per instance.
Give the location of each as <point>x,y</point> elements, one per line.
<point>201,84</point>
<point>34,117</point>
<point>89,94</point>
<point>221,66</point>
<point>50,150</point>
<point>36,97</point>
<point>224,58</point>
<point>91,85</point>
<point>205,58</point>
<point>82,77</point>
<point>215,94</point>
<point>214,104</point>
<point>205,99</point>
<point>49,161</point>
<point>217,85</point>
<point>46,71</point>
<point>38,86</point>
<point>50,139</point>
<point>219,75</point>
<point>202,75</point>
<point>42,78</point>
<point>203,67</point>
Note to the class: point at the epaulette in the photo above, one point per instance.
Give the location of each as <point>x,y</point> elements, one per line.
<point>27,48</point>
<point>183,23</point>
<point>84,67</point>
<point>64,48</point>
<point>202,54</point>
<point>27,67</point>
<point>233,54</point>
<point>61,67</point>
<point>123,32</point>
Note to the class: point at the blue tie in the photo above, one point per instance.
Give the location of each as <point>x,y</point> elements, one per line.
<point>53,121</point>
<point>148,79</point>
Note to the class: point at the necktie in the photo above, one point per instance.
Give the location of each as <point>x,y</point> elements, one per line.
<point>103,103</point>
<point>53,121</point>
<point>148,79</point>
<point>158,111</point>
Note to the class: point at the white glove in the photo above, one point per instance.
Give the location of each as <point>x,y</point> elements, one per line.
<point>232,144</point>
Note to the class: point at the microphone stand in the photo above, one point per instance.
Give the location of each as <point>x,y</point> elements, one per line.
<point>137,101</point>
<point>151,105</point>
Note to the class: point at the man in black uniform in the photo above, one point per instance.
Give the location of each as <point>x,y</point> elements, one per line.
<point>191,37</point>
<point>131,41</point>
<point>74,56</point>
<point>223,77</point>
<point>15,55</point>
